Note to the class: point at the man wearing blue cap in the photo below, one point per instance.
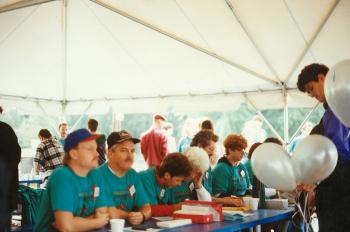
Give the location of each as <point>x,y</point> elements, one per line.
<point>124,190</point>
<point>73,200</point>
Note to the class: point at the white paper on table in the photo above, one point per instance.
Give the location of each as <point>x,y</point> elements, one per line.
<point>240,213</point>
<point>162,219</point>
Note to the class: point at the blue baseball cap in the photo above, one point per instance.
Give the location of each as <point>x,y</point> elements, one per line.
<point>80,135</point>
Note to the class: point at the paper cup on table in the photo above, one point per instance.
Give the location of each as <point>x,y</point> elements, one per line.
<point>254,203</point>
<point>246,201</point>
<point>117,225</point>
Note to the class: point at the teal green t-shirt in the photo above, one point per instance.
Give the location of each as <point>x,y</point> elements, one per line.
<point>230,180</point>
<point>207,181</point>
<point>156,194</point>
<point>248,165</point>
<point>182,192</point>
<point>187,191</point>
<point>68,192</point>
<point>127,192</point>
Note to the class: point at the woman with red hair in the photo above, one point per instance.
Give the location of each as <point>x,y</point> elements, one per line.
<point>230,177</point>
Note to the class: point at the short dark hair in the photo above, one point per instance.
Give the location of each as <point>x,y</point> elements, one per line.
<point>273,140</point>
<point>318,129</point>
<point>176,164</point>
<point>92,124</point>
<point>252,149</point>
<point>45,133</point>
<point>310,73</point>
<point>203,138</point>
<point>207,125</point>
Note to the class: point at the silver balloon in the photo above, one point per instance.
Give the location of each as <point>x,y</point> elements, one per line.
<point>272,166</point>
<point>337,90</point>
<point>314,159</point>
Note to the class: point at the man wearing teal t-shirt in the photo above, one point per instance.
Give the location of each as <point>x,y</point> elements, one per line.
<point>158,181</point>
<point>206,140</point>
<point>124,190</point>
<point>74,200</point>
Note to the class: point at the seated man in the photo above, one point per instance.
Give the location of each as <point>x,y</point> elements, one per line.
<point>73,200</point>
<point>158,181</point>
<point>125,193</point>
<point>230,177</point>
<point>193,188</point>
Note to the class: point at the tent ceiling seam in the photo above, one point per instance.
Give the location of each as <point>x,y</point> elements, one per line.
<point>19,25</point>
<point>313,38</point>
<point>121,45</point>
<point>185,42</point>
<point>202,37</point>
<point>299,28</point>
<point>257,48</point>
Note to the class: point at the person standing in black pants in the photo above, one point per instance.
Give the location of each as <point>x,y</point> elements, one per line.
<point>10,156</point>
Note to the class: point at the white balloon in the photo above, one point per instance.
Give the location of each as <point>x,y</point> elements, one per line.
<point>198,158</point>
<point>314,159</point>
<point>337,90</point>
<point>271,164</point>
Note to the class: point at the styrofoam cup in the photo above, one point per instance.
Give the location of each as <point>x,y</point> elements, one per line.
<point>246,201</point>
<point>117,225</point>
<point>254,203</point>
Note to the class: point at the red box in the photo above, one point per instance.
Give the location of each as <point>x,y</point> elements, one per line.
<point>200,211</point>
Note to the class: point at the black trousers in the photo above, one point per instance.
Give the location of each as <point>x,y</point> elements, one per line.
<point>5,193</point>
<point>333,200</point>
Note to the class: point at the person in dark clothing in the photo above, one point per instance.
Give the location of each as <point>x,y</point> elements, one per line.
<point>333,193</point>
<point>10,156</point>
<point>101,141</point>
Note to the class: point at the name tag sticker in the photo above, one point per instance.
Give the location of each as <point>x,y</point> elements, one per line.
<point>191,186</point>
<point>162,192</point>
<point>242,173</point>
<point>96,192</point>
<point>132,190</point>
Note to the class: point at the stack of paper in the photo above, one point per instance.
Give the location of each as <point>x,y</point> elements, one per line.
<point>174,223</point>
<point>234,215</point>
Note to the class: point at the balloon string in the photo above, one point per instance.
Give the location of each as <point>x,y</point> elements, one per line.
<point>304,213</point>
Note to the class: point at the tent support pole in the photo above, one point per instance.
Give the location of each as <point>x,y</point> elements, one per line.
<point>21,4</point>
<point>64,50</point>
<point>63,113</point>
<point>304,121</point>
<point>263,117</point>
<point>53,126</point>
<point>81,116</point>
<point>285,116</point>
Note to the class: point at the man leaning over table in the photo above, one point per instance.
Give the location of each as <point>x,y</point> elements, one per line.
<point>158,182</point>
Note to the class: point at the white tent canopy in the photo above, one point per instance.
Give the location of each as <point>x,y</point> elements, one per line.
<point>144,56</point>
